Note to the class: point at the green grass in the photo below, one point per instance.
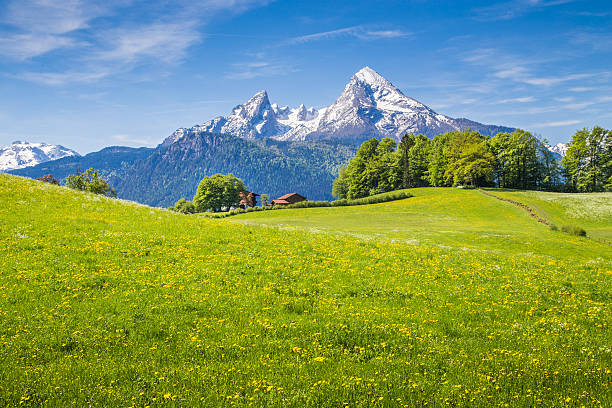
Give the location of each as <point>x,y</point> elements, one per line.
<point>441,217</point>
<point>107,303</point>
<point>592,211</point>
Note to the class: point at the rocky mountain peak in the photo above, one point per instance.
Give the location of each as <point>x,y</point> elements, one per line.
<point>20,154</point>
<point>369,76</point>
<point>369,106</point>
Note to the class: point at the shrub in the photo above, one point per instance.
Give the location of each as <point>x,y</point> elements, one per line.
<point>48,179</point>
<point>574,230</point>
<point>183,206</point>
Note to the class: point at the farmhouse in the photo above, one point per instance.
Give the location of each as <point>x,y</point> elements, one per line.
<point>248,200</point>
<point>290,198</point>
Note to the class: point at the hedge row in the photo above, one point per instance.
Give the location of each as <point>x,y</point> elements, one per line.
<point>375,199</point>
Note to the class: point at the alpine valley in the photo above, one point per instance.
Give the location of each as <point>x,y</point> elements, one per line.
<point>275,150</point>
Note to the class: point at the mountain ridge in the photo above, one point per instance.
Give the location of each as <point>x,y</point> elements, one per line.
<point>369,106</point>
<point>21,154</point>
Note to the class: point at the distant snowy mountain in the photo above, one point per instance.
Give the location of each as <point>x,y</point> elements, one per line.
<point>24,154</point>
<point>369,106</point>
<point>559,148</point>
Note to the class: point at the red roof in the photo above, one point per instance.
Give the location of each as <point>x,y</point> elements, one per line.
<point>279,201</point>
<point>288,195</point>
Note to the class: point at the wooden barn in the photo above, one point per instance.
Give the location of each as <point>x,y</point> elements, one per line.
<point>248,200</point>
<point>290,198</point>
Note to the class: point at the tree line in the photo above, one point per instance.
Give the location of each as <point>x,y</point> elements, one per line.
<point>516,160</point>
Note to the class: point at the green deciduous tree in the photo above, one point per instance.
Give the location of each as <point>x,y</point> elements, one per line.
<point>89,180</point>
<point>587,163</point>
<point>373,170</point>
<point>517,160</point>
<point>437,160</point>
<point>473,166</point>
<point>217,192</point>
<point>413,157</point>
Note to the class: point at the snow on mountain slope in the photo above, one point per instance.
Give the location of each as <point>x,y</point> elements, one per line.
<point>369,106</point>
<point>24,154</point>
<point>559,148</point>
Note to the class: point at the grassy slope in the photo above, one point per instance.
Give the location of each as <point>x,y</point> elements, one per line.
<point>463,219</point>
<point>114,304</point>
<point>592,211</point>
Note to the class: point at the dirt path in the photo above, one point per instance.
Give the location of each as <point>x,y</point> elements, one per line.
<point>525,207</point>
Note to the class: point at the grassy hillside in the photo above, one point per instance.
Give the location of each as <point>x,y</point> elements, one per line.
<point>453,218</point>
<point>108,303</point>
<point>592,211</point>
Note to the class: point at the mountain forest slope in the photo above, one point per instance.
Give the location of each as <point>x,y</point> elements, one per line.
<point>165,174</point>
<point>111,303</point>
<point>266,166</point>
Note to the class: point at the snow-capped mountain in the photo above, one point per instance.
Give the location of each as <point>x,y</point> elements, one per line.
<point>369,106</point>
<point>559,148</point>
<point>24,154</point>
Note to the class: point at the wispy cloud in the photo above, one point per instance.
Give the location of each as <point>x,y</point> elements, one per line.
<point>165,42</point>
<point>521,74</point>
<point>594,41</point>
<point>556,124</point>
<point>581,89</point>
<point>511,9</point>
<point>34,28</point>
<point>61,78</point>
<point>25,46</point>
<point>360,32</point>
<point>40,26</point>
<point>524,99</point>
<point>259,68</point>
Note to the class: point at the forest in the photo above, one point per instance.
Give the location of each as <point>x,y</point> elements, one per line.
<point>517,160</point>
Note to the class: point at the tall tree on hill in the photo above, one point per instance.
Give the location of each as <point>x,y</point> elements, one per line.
<point>437,160</point>
<point>517,159</point>
<point>413,156</point>
<point>403,150</point>
<point>462,147</point>
<point>474,166</point>
<point>587,163</point>
<point>218,191</point>
<point>419,160</point>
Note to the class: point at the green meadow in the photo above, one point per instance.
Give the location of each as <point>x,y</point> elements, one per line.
<point>448,298</point>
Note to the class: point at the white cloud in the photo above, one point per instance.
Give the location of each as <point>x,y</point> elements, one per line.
<point>525,99</point>
<point>25,46</point>
<point>254,69</point>
<point>162,37</point>
<point>159,41</point>
<point>42,26</point>
<point>521,74</point>
<point>62,78</point>
<point>556,124</point>
<point>360,32</point>
<point>512,9</point>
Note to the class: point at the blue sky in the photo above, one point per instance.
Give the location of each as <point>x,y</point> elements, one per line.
<point>89,74</point>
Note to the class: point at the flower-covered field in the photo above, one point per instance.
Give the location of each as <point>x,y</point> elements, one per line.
<point>109,303</point>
